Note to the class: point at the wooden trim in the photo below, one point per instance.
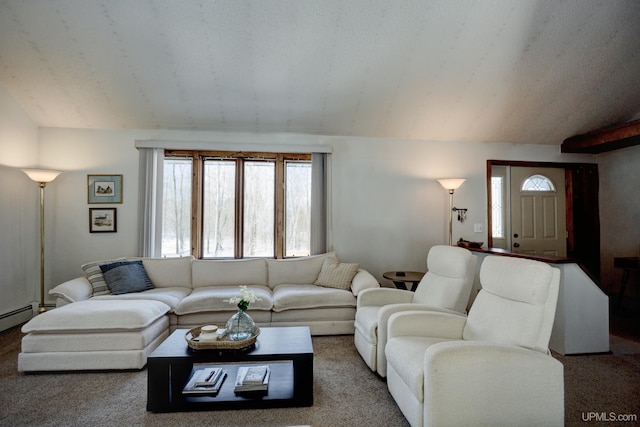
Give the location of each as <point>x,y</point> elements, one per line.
<point>197,202</point>
<point>586,222</point>
<point>280,201</point>
<point>489,205</point>
<point>239,211</point>
<point>507,253</point>
<point>571,239</point>
<point>197,196</point>
<point>583,230</point>
<point>604,139</point>
<point>239,154</point>
<point>568,193</point>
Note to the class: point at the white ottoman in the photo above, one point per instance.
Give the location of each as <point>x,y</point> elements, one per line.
<point>94,335</point>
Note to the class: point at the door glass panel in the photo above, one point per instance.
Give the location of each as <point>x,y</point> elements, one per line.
<point>497,208</point>
<point>538,183</point>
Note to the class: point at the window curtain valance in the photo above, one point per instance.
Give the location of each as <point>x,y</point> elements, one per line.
<point>231,146</point>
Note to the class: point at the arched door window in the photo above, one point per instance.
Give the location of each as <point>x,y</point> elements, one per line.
<point>537,183</point>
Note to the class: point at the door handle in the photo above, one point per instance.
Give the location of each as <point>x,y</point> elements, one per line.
<point>516,245</point>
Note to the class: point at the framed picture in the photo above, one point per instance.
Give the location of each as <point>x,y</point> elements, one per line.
<point>105,188</point>
<point>102,220</point>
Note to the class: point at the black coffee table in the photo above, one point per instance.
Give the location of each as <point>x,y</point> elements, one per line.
<point>287,350</point>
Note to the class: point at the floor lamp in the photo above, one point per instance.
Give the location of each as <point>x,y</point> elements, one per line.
<point>42,177</point>
<point>451,184</point>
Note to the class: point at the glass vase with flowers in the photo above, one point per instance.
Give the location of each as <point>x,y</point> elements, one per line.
<point>241,326</point>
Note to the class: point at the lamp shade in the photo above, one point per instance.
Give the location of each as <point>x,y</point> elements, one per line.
<point>451,183</point>
<point>41,175</point>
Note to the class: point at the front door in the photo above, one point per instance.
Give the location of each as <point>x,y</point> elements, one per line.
<point>538,211</point>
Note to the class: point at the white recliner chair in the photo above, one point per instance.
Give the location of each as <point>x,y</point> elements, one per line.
<point>492,368</point>
<point>445,287</point>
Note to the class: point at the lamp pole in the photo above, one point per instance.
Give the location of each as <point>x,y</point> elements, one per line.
<point>42,308</point>
<point>42,177</point>
<point>451,217</point>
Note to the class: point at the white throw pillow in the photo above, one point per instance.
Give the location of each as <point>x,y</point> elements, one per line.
<point>169,272</point>
<point>96,278</point>
<point>296,271</point>
<point>336,274</point>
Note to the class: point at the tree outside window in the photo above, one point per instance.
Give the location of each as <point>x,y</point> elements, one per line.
<point>236,205</point>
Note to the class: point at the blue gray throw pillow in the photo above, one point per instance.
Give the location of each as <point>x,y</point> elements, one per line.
<point>124,277</point>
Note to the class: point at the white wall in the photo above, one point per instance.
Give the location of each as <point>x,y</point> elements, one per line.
<point>387,206</point>
<point>81,152</point>
<point>19,208</point>
<point>619,172</point>
<point>388,210</point>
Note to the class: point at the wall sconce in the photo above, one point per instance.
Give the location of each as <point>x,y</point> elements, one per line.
<point>453,184</point>
<point>42,177</point>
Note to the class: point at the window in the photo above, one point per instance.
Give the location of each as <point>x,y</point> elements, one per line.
<point>259,208</point>
<point>218,209</point>
<point>297,208</point>
<point>236,205</point>
<point>538,183</point>
<point>176,209</point>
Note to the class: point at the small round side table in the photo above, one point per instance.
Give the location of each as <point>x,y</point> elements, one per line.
<point>400,280</point>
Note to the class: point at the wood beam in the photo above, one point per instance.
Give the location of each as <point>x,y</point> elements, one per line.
<point>604,139</point>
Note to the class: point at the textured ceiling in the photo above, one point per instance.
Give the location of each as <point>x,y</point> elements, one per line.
<point>526,71</point>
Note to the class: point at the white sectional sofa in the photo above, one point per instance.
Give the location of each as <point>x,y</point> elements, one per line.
<point>92,328</point>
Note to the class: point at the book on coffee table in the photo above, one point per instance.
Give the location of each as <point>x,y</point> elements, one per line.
<point>205,381</point>
<point>252,379</point>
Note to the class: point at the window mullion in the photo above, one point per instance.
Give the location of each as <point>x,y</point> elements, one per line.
<point>197,207</point>
<point>279,207</point>
<point>239,208</point>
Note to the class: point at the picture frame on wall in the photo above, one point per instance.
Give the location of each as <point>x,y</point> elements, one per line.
<point>103,220</point>
<point>104,189</point>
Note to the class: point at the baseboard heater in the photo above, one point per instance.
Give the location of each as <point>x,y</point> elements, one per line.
<point>15,317</point>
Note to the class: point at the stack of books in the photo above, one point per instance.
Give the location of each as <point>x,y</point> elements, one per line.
<point>252,379</point>
<point>205,381</point>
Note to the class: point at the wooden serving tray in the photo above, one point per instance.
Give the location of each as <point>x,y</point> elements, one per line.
<point>222,344</point>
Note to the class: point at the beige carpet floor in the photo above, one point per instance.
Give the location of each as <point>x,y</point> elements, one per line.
<point>346,393</point>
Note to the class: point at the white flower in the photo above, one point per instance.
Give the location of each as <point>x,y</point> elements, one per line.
<point>245,300</point>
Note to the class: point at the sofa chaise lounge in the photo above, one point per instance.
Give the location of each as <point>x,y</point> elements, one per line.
<point>93,328</point>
